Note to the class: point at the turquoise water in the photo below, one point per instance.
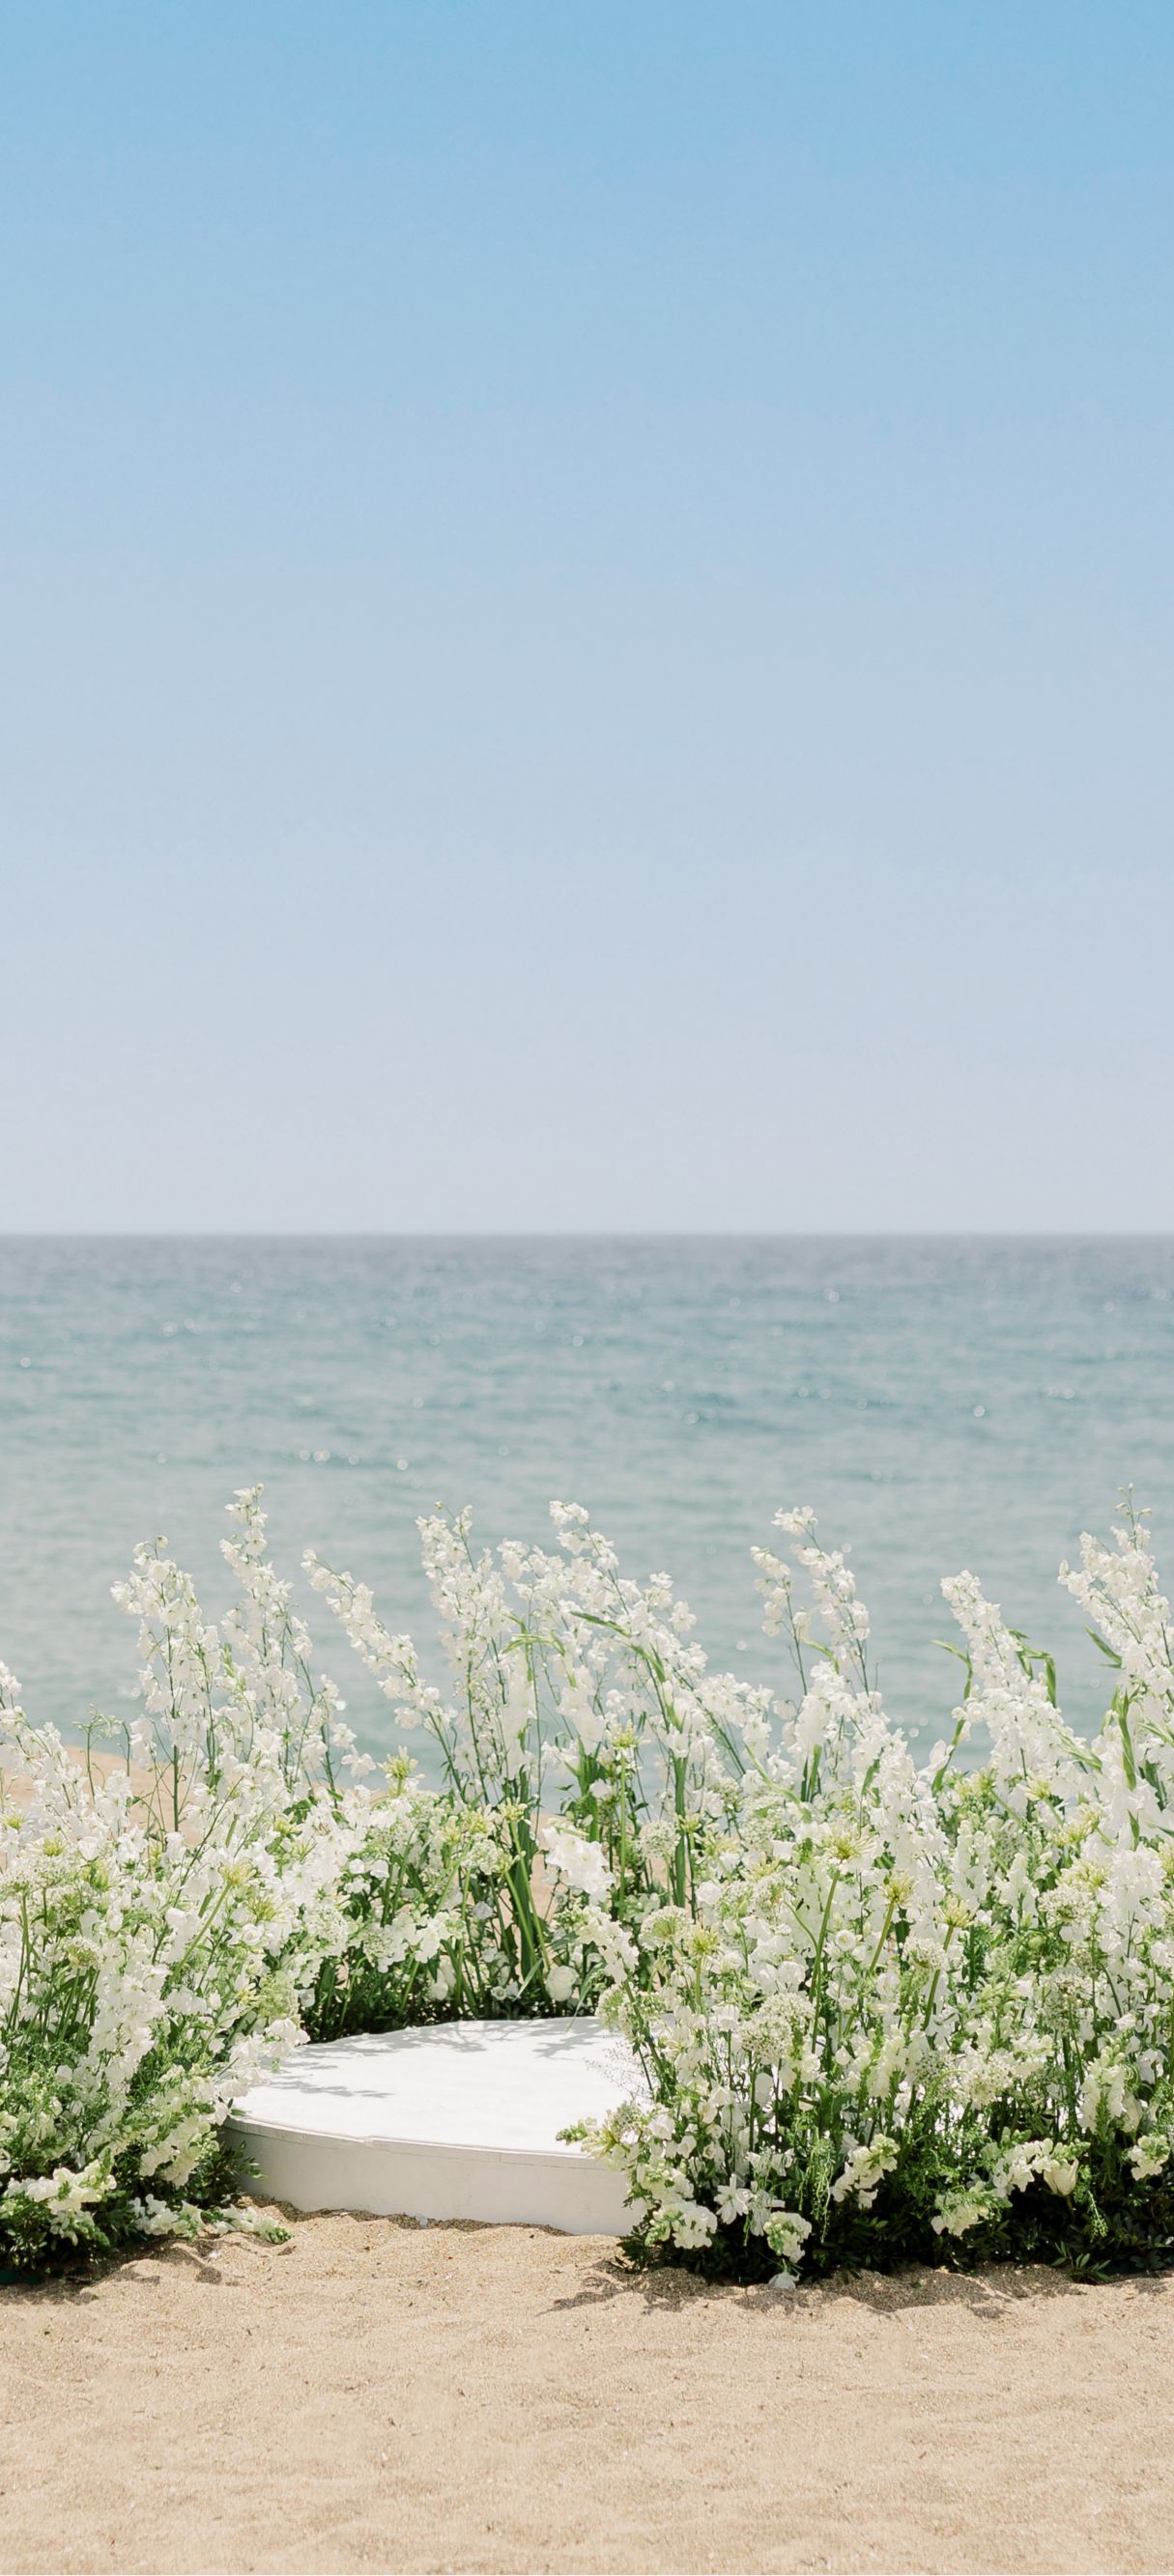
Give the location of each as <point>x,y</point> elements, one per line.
<point>941,1403</point>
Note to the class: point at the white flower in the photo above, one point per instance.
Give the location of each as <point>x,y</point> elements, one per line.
<point>1149,2155</point>
<point>786,2233</point>
<point>865,2170</point>
<point>959,2211</point>
<point>582,1863</point>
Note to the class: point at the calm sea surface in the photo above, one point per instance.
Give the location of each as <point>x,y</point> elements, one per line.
<point>941,1403</point>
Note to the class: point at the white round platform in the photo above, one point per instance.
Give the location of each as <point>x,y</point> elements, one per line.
<point>456,2121</point>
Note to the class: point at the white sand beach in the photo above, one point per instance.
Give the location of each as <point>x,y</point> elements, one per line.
<point>375,2395</point>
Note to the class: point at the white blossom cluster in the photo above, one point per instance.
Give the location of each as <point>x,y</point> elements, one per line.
<point>174,1915</point>
<point>164,1911</point>
<point>580,1731</point>
<point>907,2006</point>
<point>882,2008</point>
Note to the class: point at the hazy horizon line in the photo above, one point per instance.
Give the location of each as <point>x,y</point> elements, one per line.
<point>590,1234</point>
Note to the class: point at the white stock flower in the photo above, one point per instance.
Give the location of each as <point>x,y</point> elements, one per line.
<point>582,1863</point>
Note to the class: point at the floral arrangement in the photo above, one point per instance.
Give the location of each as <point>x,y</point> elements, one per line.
<point>919,2013</point>
<point>884,2011</point>
<point>162,1918</point>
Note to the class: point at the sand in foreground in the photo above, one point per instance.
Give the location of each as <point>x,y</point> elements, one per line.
<point>377,2395</point>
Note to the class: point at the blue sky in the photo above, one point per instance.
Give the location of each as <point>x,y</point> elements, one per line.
<point>589,615</point>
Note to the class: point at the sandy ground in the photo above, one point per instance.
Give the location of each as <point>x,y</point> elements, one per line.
<point>379,2395</point>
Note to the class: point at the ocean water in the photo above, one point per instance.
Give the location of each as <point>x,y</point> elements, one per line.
<point>941,1403</point>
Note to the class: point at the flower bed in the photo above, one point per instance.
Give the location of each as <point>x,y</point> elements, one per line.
<point>885,2011</point>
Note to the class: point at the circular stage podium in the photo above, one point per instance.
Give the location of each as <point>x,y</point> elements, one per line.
<point>460,2120</point>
